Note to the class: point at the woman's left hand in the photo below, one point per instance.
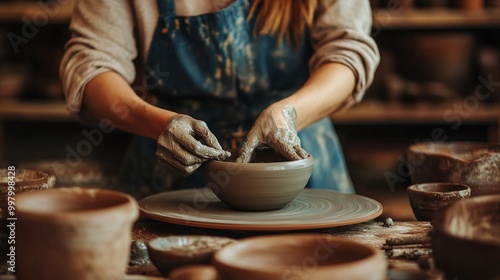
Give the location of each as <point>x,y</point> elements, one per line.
<point>276,127</point>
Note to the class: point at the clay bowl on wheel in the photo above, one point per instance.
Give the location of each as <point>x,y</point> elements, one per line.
<point>474,164</point>
<point>295,256</point>
<point>428,198</point>
<point>466,238</point>
<point>268,182</point>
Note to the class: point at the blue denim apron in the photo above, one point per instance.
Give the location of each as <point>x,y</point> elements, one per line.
<point>212,68</point>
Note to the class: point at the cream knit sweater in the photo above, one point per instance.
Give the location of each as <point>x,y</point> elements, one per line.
<point>115,35</point>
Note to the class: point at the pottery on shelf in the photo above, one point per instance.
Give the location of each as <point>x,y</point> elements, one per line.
<point>171,252</point>
<point>291,256</point>
<point>268,182</point>
<point>428,198</point>
<point>466,239</point>
<point>475,164</point>
<point>74,233</point>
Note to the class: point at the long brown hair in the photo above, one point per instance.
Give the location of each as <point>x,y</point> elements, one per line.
<point>283,18</point>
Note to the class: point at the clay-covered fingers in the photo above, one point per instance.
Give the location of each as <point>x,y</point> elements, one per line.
<point>200,128</point>
<point>287,145</point>
<point>184,170</point>
<point>212,149</point>
<point>248,148</point>
<point>171,154</point>
<point>178,145</point>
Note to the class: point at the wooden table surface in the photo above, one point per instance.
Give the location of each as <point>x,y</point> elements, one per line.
<point>405,244</point>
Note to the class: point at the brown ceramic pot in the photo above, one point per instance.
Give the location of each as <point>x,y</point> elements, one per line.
<point>268,182</point>
<point>466,239</point>
<point>474,164</point>
<point>74,233</point>
<point>426,199</point>
<point>26,180</point>
<point>299,256</point>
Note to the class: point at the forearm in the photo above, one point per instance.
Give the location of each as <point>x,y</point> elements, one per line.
<point>109,96</point>
<point>328,90</point>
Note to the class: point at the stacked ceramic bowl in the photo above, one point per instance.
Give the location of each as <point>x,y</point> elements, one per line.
<point>466,239</point>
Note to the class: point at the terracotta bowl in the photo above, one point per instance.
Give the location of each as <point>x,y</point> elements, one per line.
<point>426,199</point>
<point>26,180</point>
<point>474,164</point>
<point>466,239</point>
<point>292,256</point>
<point>74,233</point>
<point>169,253</point>
<point>268,182</point>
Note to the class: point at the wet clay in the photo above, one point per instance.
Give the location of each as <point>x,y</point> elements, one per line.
<point>311,209</point>
<point>472,163</point>
<point>261,185</point>
<point>179,147</point>
<point>276,129</point>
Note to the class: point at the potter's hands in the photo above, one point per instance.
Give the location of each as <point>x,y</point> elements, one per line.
<point>275,127</point>
<point>179,147</point>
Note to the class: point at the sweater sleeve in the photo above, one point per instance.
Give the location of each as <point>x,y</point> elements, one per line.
<point>341,33</point>
<point>102,39</point>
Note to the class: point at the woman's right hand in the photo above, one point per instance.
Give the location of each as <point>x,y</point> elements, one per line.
<point>179,145</point>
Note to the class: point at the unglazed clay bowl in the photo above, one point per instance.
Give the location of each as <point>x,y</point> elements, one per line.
<point>466,239</point>
<point>26,180</point>
<point>21,180</point>
<point>475,164</point>
<point>291,256</point>
<point>426,199</point>
<point>73,233</point>
<point>268,182</point>
<point>169,253</point>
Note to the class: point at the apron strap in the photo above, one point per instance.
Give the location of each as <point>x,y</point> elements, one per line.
<point>166,7</point>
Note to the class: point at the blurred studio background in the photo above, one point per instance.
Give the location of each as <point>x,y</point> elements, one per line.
<point>439,80</point>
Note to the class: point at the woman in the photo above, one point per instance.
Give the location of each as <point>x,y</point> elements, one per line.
<point>214,70</point>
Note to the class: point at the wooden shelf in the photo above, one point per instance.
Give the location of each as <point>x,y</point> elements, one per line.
<point>12,109</point>
<point>367,112</point>
<point>435,18</point>
<point>36,12</point>
<point>377,112</point>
